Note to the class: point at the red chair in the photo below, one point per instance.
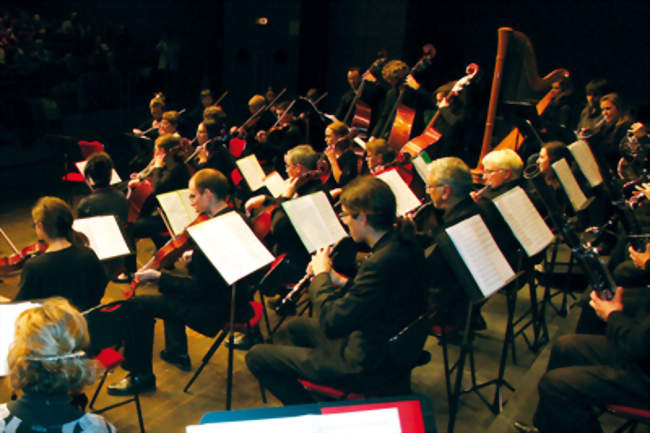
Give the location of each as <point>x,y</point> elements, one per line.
<point>247,327</point>
<point>99,324</point>
<point>87,148</point>
<point>633,416</point>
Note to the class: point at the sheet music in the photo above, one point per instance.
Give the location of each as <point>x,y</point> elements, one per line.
<point>104,235</point>
<point>177,208</point>
<point>526,223</point>
<point>314,220</point>
<point>367,421</point>
<point>585,158</point>
<point>8,315</point>
<point>570,184</point>
<point>251,170</point>
<point>115,178</point>
<point>480,252</point>
<point>231,246</point>
<point>421,164</point>
<point>405,199</point>
<point>275,184</point>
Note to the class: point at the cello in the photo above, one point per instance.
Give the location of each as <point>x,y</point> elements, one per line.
<point>431,135</point>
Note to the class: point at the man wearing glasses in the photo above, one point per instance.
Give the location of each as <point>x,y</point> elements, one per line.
<point>345,344</point>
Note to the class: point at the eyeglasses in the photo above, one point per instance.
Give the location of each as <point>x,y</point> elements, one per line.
<point>492,170</point>
<point>344,214</point>
<point>430,187</point>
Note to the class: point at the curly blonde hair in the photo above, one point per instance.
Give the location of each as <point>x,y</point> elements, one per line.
<point>395,69</point>
<point>47,352</point>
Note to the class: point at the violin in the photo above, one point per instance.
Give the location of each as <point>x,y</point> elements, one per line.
<point>168,253</point>
<point>18,259</point>
<point>237,143</point>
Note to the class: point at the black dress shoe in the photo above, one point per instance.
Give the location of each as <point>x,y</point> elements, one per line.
<point>133,384</point>
<point>180,360</point>
<point>525,428</point>
<point>245,341</point>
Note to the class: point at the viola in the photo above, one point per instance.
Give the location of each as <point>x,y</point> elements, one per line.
<point>18,259</point>
<point>167,254</point>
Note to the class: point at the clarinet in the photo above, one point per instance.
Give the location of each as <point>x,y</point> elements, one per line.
<point>598,275</point>
<point>289,302</point>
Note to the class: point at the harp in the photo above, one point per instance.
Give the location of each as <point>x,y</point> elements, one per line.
<point>515,79</point>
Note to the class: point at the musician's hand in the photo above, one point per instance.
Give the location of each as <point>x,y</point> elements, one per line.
<point>261,136</point>
<point>412,82</point>
<point>330,152</point>
<point>233,131</point>
<point>369,77</point>
<point>137,131</point>
<point>640,258</point>
<point>133,183</point>
<point>604,308</point>
<point>638,129</point>
<point>254,203</point>
<point>444,102</point>
<point>186,258</point>
<point>133,176</point>
<point>336,192</point>
<point>159,160</point>
<point>320,261</point>
<point>645,187</point>
<point>474,195</point>
<point>148,275</point>
<point>290,187</point>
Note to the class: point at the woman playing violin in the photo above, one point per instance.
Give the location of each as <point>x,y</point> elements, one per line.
<point>200,300</point>
<point>68,268</point>
<point>342,159</point>
<point>156,108</point>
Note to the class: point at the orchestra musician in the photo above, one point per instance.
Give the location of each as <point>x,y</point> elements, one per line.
<point>616,123</point>
<point>156,108</point>
<point>195,116</point>
<point>67,268</point>
<point>212,153</point>
<point>47,362</point>
<point>200,300</point>
<point>344,162</point>
<point>347,344</point>
<point>590,115</point>
<point>595,370</point>
<point>501,172</point>
<point>372,94</point>
<point>169,173</point>
<point>378,155</point>
<point>557,119</point>
<point>397,74</point>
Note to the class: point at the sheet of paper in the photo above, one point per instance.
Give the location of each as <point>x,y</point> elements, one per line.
<point>570,184</point>
<point>480,252</point>
<point>275,184</point>
<point>8,315</point>
<point>115,178</point>
<point>104,235</point>
<point>585,158</point>
<point>231,246</point>
<point>405,199</point>
<point>314,220</point>
<point>368,421</point>
<point>251,170</point>
<point>421,164</point>
<point>177,208</point>
<point>295,424</point>
<point>525,222</point>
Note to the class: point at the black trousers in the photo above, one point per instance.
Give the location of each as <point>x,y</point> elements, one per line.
<point>145,227</point>
<point>139,335</point>
<point>584,371</point>
<point>311,356</point>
